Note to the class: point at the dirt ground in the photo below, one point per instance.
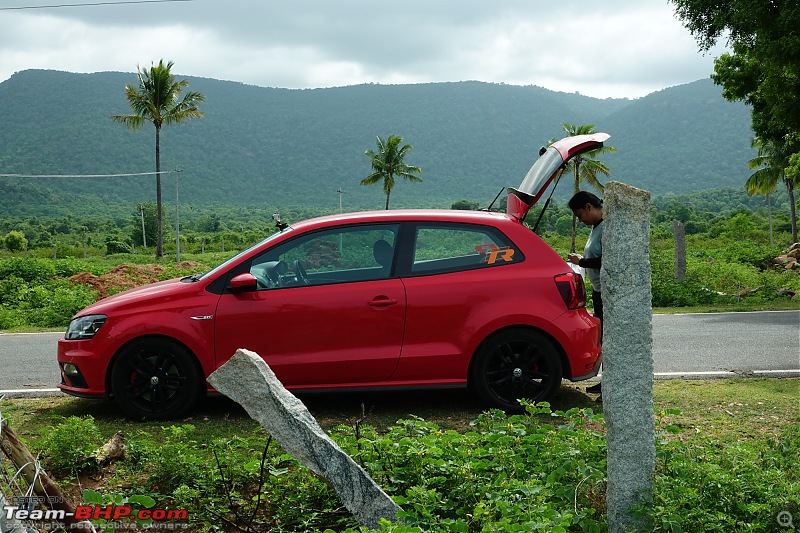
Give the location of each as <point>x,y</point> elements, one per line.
<point>126,276</point>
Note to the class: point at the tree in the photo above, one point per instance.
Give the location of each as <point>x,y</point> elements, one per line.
<point>465,205</point>
<point>158,100</point>
<point>585,167</point>
<point>763,70</point>
<point>15,241</point>
<point>144,211</point>
<point>388,162</point>
<point>771,165</point>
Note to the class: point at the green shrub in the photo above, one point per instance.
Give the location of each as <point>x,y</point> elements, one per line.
<point>747,253</point>
<point>30,270</point>
<point>10,318</point>
<point>675,293</point>
<point>69,266</point>
<point>70,446</point>
<point>730,487</point>
<point>175,463</point>
<point>11,290</point>
<point>513,473</point>
<point>115,245</point>
<point>15,241</point>
<point>54,304</point>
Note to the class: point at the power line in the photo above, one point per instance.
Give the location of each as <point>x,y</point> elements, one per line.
<point>86,175</point>
<point>84,4</point>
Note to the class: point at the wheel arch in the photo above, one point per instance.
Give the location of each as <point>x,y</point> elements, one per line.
<point>154,337</point>
<point>566,369</point>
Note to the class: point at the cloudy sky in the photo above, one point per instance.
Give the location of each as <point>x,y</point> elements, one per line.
<point>611,48</point>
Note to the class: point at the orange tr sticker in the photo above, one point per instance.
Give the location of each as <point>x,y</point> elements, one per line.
<point>491,253</point>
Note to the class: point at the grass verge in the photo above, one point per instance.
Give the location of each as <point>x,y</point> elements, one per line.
<point>728,456</point>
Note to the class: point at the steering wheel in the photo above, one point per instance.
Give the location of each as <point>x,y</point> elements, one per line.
<point>300,275</point>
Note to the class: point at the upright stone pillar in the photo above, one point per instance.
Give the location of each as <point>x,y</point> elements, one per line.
<point>627,354</point>
<point>680,249</point>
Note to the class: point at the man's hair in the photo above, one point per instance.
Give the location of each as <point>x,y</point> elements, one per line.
<point>582,198</point>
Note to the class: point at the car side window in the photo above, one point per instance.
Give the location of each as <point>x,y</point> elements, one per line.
<point>339,255</point>
<point>454,247</point>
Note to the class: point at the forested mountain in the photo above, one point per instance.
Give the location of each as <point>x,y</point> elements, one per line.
<point>273,148</point>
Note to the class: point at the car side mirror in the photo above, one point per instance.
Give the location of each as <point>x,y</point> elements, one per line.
<point>243,282</point>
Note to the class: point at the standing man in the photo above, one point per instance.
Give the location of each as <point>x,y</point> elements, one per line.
<point>588,208</point>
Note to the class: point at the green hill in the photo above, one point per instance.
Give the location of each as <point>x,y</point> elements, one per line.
<point>268,147</point>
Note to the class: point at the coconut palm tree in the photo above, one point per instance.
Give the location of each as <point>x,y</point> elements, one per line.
<point>158,100</point>
<point>388,162</point>
<point>770,169</point>
<point>585,167</point>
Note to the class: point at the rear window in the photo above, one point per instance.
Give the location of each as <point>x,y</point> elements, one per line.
<point>453,247</point>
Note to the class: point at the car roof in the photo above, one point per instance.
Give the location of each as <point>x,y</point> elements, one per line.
<point>404,215</point>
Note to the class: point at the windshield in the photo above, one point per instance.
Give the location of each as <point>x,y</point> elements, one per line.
<point>227,262</point>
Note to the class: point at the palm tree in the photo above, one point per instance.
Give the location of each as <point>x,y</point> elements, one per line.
<point>770,169</point>
<point>388,162</point>
<point>157,100</point>
<point>584,167</point>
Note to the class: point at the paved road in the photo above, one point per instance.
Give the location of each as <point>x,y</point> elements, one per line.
<point>689,345</point>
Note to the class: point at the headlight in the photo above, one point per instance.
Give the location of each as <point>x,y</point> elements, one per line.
<point>84,327</point>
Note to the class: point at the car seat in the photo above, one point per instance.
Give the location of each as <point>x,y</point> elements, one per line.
<point>383,253</point>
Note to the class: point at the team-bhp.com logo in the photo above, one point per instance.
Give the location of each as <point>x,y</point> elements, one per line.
<point>112,512</point>
<point>93,512</point>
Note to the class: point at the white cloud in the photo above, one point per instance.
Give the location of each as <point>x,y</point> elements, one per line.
<point>619,48</point>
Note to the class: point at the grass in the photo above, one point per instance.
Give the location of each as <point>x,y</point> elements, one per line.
<point>730,409</point>
<point>723,421</point>
<point>772,305</point>
<point>725,409</point>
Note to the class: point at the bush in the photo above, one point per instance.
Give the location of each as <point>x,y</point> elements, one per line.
<point>747,253</point>
<point>70,446</point>
<point>30,270</point>
<point>675,293</point>
<point>513,473</point>
<point>68,267</point>
<point>54,304</point>
<point>733,487</point>
<point>174,463</point>
<point>15,241</point>
<point>115,245</point>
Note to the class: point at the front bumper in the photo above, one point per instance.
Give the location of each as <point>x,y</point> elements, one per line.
<point>83,365</point>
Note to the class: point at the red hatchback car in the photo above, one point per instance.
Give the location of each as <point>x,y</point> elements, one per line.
<point>411,298</point>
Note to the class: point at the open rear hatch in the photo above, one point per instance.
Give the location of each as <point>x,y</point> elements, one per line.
<point>546,168</point>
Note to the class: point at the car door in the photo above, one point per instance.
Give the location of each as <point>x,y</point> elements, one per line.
<point>327,310</point>
<point>454,273</point>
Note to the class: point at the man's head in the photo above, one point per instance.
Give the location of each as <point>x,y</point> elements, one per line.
<point>587,207</point>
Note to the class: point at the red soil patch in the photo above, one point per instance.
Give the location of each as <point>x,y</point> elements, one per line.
<point>120,278</point>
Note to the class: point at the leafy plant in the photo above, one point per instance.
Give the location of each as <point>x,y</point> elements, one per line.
<point>15,241</point>
<point>70,446</point>
<point>116,503</point>
<point>30,270</point>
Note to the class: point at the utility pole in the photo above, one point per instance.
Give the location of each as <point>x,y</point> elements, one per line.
<point>341,244</point>
<point>177,220</point>
<point>144,234</point>
<point>341,192</point>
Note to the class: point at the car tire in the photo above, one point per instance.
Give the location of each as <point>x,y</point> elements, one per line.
<point>156,379</point>
<point>514,364</point>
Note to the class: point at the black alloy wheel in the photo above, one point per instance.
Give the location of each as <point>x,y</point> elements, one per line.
<point>515,364</point>
<point>156,378</point>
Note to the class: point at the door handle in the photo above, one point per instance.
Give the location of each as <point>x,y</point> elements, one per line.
<point>382,302</point>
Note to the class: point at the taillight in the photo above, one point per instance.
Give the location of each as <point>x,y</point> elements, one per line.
<point>572,290</point>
